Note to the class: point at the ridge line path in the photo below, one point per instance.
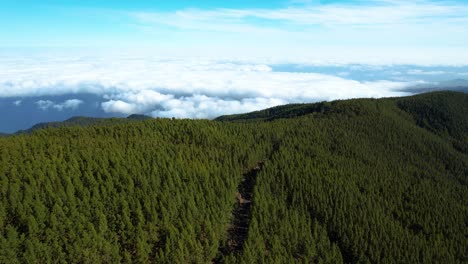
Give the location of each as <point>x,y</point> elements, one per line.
<point>239,227</point>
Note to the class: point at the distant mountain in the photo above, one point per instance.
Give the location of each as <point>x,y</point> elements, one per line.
<point>283,111</point>
<point>443,112</point>
<point>139,117</point>
<point>459,85</point>
<point>85,121</point>
<point>440,102</point>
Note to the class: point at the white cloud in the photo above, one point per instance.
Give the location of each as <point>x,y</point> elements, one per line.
<point>422,72</point>
<point>68,104</point>
<point>72,104</point>
<point>200,106</point>
<point>194,88</point>
<point>361,15</point>
<point>140,101</point>
<point>377,32</point>
<point>17,102</point>
<point>118,106</point>
<point>44,104</point>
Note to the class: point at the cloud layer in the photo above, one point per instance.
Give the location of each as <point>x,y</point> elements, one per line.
<point>185,88</point>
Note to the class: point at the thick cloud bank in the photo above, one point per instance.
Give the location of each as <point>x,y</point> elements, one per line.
<point>184,88</point>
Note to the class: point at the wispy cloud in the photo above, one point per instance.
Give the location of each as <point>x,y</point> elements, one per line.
<point>369,15</point>
<point>387,31</point>
<point>68,104</point>
<point>421,72</point>
<point>44,104</point>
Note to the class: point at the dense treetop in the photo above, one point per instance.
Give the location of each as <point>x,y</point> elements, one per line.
<point>355,181</point>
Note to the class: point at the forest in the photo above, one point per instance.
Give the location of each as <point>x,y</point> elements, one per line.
<point>349,181</point>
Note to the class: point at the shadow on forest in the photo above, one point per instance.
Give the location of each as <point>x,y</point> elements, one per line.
<point>239,227</point>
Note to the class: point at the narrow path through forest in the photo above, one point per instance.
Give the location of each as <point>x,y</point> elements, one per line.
<point>239,227</point>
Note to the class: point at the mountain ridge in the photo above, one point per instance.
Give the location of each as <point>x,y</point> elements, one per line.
<point>351,181</point>
<point>83,121</point>
<point>268,114</point>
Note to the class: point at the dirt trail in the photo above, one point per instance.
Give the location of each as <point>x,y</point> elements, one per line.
<point>239,228</point>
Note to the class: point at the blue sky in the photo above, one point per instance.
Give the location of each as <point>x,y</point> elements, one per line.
<point>265,27</point>
<point>202,59</point>
<point>87,23</point>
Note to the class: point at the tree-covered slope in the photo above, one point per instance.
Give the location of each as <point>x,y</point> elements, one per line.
<point>443,113</point>
<point>368,181</point>
<point>156,190</point>
<point>354,181</point>
<point>282,111</point>
<point>85,121</point>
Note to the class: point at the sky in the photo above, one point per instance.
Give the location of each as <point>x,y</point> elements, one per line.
<point>392,30</point>
<point>201,59</point>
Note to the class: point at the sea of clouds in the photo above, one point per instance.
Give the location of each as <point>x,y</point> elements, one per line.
<point>177,87</point>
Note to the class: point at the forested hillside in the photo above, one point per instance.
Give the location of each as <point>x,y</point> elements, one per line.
<point>85,121</point>
<point>353,181</point>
